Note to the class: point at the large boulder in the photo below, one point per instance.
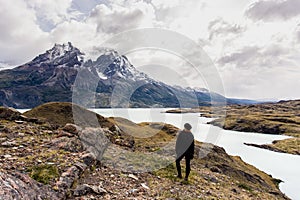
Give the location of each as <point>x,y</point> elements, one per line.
<point>95,141</point>
<point>71,128</point>
<point>15,186</point>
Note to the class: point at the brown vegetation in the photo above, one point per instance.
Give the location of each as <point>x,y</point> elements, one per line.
<point>73,163</point>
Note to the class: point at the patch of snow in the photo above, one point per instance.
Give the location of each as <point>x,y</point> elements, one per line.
<point>4,66</point>
<point>62,66</point>
<point>178,87</point>
<point>110,52</point>
<point>203,90</point>
<point>197,89</point>
<point>101,75</point>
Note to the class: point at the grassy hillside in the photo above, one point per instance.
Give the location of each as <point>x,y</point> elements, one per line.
<point>49,152</point>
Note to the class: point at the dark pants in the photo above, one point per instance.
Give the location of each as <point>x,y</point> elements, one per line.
<point>187,166</point>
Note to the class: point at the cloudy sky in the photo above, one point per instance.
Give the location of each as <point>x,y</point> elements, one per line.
<point>255,45</point>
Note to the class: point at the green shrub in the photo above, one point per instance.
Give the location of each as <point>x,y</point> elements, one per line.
<point>44,173</point>
<point>245,186</point>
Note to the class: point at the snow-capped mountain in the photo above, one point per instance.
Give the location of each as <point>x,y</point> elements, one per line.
<point>112,65</point>
<point>59,55</point>
<point>61,71</point>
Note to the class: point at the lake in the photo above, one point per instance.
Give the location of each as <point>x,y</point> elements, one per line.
<point>279,165</point>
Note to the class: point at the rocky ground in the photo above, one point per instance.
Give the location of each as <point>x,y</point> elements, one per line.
<point>43,158</point>
<point>269,118</point>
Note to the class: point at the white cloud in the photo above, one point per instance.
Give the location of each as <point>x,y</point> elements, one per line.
<point>252,56</point>
<point>82,35</point>
<point>297,33</point>
<point>102,23</point>
<point>157,64</point>
<point>115,19</point>
<point>84,7</point>
<point>256,40</point>
<point>265,83</point>
<point>166,10</point>
<point>221,28</point>
<point>271,10</point>
<point>20,36</point>
<point>52,12</point>
<point>268,70</point>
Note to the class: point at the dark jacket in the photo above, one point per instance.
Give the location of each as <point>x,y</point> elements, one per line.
<point>185,144</point>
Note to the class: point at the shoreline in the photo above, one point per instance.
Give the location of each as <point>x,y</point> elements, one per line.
<point>269,118</point>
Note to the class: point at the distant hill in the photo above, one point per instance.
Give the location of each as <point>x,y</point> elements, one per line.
<point>61,74</point>
<point>243,101</point>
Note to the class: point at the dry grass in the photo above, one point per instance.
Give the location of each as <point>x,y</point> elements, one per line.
<point>61,113</point>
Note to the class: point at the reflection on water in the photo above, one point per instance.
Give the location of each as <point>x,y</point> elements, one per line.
<point>279,165</point>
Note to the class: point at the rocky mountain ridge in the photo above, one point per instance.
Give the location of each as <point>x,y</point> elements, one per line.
<point>61,73</point>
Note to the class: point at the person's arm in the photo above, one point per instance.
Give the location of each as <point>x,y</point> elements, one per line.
<point>193,149</point>
<point>177,147</point>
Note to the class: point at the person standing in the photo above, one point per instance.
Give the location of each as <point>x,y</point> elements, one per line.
<point>184,148</point>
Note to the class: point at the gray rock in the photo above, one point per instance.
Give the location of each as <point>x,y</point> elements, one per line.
<point>86,189</point>
<point>17,186</point>
<point>133,177</point>
<point>7,156</point>
<point>215,169</point>
<point>81,166</point>
<point>82,190</point>
<point>145,186</point>
<point>72,144</point>
<point>94,141</point>
<point>211,178</point>
<point>67,178</point>
<point>27,119</point>
<point>71,128</point>
<point>133,191</point>
<point>8,144</point>
<point>21,134</point>
<point>88,159</point>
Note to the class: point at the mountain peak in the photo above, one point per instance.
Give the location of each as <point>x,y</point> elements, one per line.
<point>60,54</point>
<point>63,47</point>
<point>110,52</point>
<point>112,65</point>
